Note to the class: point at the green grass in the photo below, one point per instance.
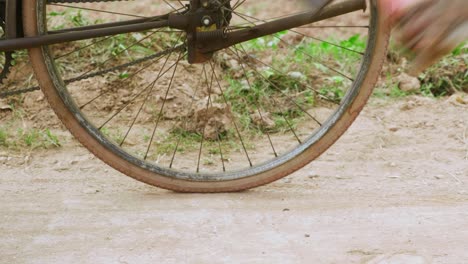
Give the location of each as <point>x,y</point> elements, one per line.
<point>446,77</point>
<point>269,95</point>
<point>28,139</point>
<point>184,141</point>
<point>123,47</point>
<point>302,65</point>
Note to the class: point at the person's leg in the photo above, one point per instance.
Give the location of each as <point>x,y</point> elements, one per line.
<point>428,29</point>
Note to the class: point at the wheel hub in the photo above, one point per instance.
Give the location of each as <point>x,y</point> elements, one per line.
<point>205,22</point>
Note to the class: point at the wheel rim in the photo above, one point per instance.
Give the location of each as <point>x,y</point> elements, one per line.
<point>202,173</point>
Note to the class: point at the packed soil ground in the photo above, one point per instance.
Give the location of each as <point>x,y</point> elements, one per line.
<point>394,189</point>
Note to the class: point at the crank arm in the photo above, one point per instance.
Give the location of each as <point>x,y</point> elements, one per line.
<point>317,14</point>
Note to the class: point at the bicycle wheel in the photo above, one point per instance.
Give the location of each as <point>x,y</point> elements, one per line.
<point>246,116</point>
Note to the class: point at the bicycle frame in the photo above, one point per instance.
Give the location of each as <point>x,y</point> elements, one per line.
<point>15,38</point>
<point>13,19</point>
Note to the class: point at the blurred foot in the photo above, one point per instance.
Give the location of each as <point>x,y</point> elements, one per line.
<point>427,29</point>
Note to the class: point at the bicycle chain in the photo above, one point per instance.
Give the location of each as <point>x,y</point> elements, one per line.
<point>99,73</point>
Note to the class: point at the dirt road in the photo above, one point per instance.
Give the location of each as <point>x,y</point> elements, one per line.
<point>393,190</point>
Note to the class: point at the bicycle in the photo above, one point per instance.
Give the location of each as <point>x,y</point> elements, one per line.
<point>200,95</point>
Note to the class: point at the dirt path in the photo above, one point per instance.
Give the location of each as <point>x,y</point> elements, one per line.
<point>395,188</point>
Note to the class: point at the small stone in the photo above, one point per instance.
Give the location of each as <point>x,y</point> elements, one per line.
<point>210,121</point>
<point>286,210</point>
<point>233,64</point>
<point>4,106</point>
<point>306,235</point>
<point>90,191</point>
<point>263,120</point>
<point>296,75</point>
<point>40,98</point>
<point>409,106</point>
<point>462,99</point>
<point>408,83</point>
<point>62,168</point>
<point>459,99</point>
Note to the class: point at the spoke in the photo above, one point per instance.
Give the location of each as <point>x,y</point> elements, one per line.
<point>221,152</point>
<point>146,99</point>
<point>140,93</point>
<point>152,32</point>
<point>82,48</point>
<point>258,104</point>
<point>97,10</point>
<point>171,6</point>
<point>342,74</point>
<point>209,86</point>
<point>118,53</point>
<point>162,106</point>
<point>330,43</point>
<point>250,23</point>
<point>287,96</point>
<point>106,38</point>
<point>289,125</point>
<point>219,136</point>
<point>107,91</point>
<point>308,55</point>
<point>238,3</point>
<point>184,127</point>
<point>136,96</point>
<point>282,73</point>
<point>181,4</point>
<point>158,55</point>
<point>233,119</point>
<point>275,18</point>
<point>321,63</point>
